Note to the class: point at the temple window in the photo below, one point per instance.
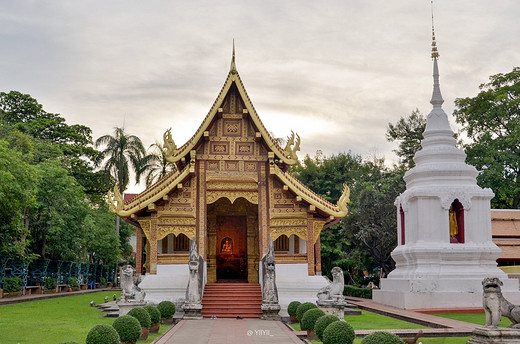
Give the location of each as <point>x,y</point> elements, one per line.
<point>401,213</point>
<point>282,243</point>
<point>456,220</point>
<point>181,243</point>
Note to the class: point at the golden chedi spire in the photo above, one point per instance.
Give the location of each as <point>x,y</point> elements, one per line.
<point>435,52</point>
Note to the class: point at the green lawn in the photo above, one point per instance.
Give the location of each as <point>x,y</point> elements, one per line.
<point>474,318</point>
<point>55,320</point>
<point>372,321</point>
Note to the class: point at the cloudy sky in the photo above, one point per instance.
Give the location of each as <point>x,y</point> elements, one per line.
<point>336,72</point>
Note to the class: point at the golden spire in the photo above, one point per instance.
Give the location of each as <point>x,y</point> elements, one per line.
<point>233,68</point>
<point>435,52</point>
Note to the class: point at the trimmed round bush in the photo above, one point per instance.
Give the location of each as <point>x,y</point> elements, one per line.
<point>167,309</point>
<point>293,306</point>
<point>322,323</point>
<point>128,328</point>
<point>102,334</point>
<point>153,312</point>
<point>304,307</point>
<point>382,337</point>
<point>142,316</point>
<point>310,317</point>
<point>339,332</point>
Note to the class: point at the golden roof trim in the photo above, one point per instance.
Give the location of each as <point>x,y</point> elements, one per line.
<point>337,210</point>
<point>287,155</point>
<point>150,195</point>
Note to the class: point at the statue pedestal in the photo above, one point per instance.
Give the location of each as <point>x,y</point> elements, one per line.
<point>270,311</point>
<point>488,335</point>
<point>192,311</point>
<point>126,306</point>
<point>333,308</point>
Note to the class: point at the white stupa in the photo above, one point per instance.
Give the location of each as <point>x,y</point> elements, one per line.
<point>444,247</point>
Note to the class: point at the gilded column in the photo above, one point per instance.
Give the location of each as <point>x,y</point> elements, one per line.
<point>318,256</point>
<point>139,250</point>
<point>201,209</point>
<point>153,244</point>
<point>310,245</point>
<point>263,210</point>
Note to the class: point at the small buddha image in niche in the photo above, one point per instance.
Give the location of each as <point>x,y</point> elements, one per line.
<point>226,246</point>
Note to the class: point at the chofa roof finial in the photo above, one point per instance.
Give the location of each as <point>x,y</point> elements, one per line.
<point>233,68</point>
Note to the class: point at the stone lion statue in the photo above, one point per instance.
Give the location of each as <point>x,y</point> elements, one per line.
<point>130,291</point>
<point>495,305</point>
<point>334,291</point>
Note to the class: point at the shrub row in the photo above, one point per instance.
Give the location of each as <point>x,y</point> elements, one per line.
<point>365,293</point>
<point>127,328</point>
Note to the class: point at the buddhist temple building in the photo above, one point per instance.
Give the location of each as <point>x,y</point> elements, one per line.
<point>231,192</point>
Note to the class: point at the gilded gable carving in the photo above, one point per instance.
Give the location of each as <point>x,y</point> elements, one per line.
<point>232,128</point>
<point>146,226</point>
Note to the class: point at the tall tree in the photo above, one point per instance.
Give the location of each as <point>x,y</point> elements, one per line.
<point>408,131</point>
<point>17,193</point>
<point>53,139</point>
<point>491,121</point>
<point>154,166</point>
<point>57,220</point>
<point>365,238</point>
<point>122,153</point>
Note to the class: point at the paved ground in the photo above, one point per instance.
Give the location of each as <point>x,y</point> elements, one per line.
<point>229,331</point>
<point>253,331</point>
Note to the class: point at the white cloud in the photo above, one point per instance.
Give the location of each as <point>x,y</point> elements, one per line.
<point>336,71</point>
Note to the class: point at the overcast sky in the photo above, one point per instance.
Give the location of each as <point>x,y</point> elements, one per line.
<point>336,72</point>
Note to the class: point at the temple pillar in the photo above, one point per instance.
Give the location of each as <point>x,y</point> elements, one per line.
<point>201,210</point>
<point>138,250</point>
<point>318,256</point>
<point>263,211</point>
<point>310,245</point>
<point>152,252</point>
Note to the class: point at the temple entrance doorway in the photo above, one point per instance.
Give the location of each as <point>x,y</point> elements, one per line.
<point>232,246</point>
<point>231,249</point>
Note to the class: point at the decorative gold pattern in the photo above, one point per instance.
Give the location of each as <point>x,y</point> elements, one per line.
<point>169,146</point>
<point>289,222</point>
<point>251,196</point>
<point>233,78</point>
<point>146,226</point>
<point>292,146</point>
<point>318,226</point>
<point>337,210</point>
<point>298,231</point>
<point>163,231</point>
<point>176,221</point>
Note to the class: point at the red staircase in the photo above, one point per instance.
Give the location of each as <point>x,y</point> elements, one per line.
<point>229,300</point>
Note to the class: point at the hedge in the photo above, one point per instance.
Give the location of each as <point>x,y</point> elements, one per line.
<point>365,293</point>
<point>382,337</point>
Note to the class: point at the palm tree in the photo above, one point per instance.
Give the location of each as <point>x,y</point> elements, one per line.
<point>154,165</point>
<point>121,152</point>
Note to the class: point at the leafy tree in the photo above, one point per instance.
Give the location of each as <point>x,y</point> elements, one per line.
<point>57,220</point>
<point>17,194</point>
<point>122,152</point>
<point>154,165</point>
<point>102,242</point>
<point>52,139</point>
<point>408,130</point>
<point>365,238</point>
<point>491,120</point>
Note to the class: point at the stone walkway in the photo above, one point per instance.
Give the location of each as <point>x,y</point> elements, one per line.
<point>229,331</point>
<point>253,331</point>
